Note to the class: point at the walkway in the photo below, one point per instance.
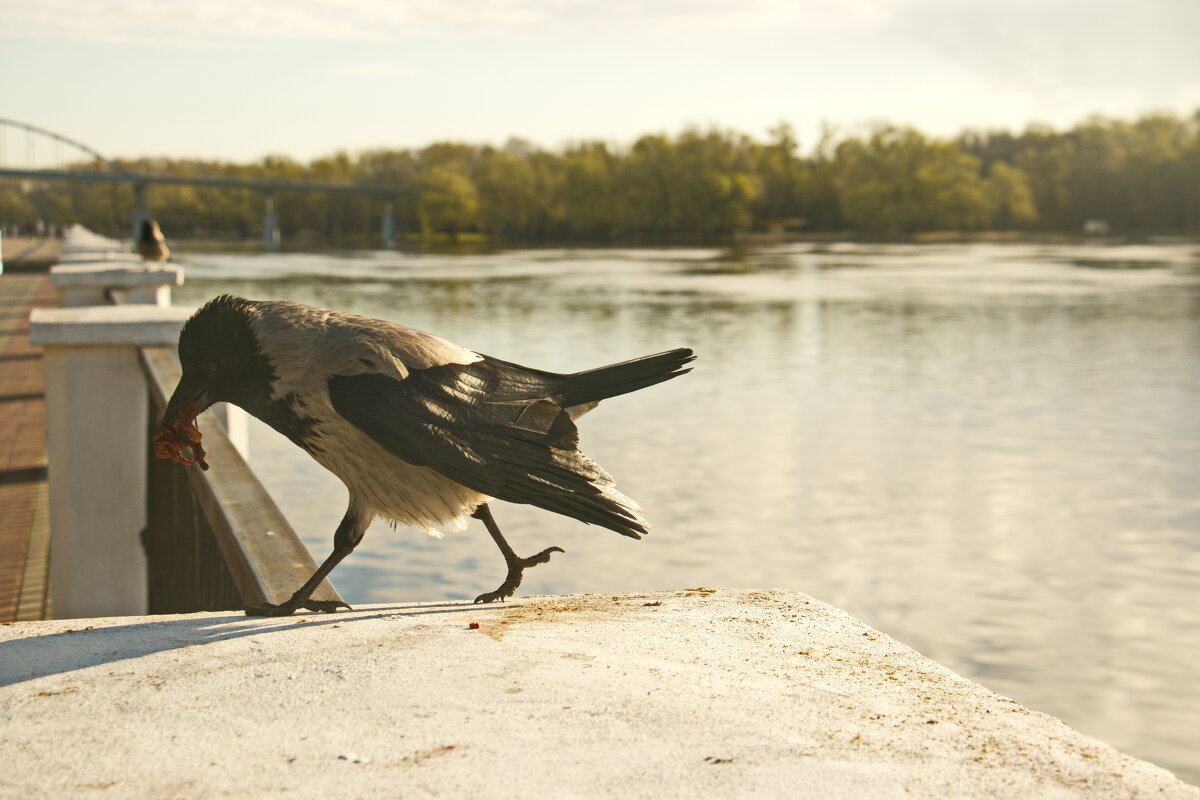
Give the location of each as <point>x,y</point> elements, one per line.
<point>24,527</point>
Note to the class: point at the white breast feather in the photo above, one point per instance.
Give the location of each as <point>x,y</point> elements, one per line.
<point>314,350</point>
<point>389,487</point>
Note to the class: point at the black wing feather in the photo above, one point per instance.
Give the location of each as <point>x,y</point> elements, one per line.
<point>502,429</point>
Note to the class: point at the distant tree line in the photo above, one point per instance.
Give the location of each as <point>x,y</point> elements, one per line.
<point>1139,176</point>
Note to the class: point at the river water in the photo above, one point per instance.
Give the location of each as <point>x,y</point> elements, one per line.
<point>991,452</point>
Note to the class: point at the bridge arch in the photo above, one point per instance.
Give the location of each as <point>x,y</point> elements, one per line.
<point>31,131</point>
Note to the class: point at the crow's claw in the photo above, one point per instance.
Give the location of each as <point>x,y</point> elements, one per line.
<point>500,594</point>
<point>327,606</point>
<point>540,558</point>
<point>516,571</point>
<point>506,589</point>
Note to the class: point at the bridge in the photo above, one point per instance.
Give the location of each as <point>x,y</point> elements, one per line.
<point>42,146</point>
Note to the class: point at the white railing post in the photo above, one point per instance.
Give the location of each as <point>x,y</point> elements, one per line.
<point>96,425</point>
<point>236,423</point>
<point>84,283</point>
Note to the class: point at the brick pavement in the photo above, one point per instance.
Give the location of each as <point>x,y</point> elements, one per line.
<point>24,524</point>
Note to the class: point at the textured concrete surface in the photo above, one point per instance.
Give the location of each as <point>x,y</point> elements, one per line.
<point>108,276</point>
<point>136,325</point>
<point>674,694</point>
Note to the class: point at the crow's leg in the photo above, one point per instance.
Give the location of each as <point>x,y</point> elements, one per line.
<point>349,534</point>
<point>516,564</point>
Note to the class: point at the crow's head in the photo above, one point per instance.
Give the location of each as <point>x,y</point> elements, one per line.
<point>221,359</point>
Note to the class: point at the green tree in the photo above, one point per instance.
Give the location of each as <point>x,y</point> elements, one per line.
<point>509,201</point>
<point>587,201</point>
<point>1010,196</point>
<point>1047,160</point>
<point>897,181</point>
<point>784,177</point>
<point>15,207</point>
<point>1139,175</point>
<point>448,202</point>
<point>699,185</point>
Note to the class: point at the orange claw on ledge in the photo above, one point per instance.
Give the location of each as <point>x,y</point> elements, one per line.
<point>181,434</point>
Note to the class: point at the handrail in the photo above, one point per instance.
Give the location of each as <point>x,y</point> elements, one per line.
<point>264,556</point>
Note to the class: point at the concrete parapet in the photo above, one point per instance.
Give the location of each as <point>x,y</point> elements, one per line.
<point>86,284</point>
<point>676,694</point>
<point>90,326</point>
<point>93,265</point>
<point>96,423</point>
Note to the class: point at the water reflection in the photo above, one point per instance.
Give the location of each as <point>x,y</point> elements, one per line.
<point>989,451</point>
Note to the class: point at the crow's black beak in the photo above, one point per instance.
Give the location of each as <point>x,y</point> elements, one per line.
<point>189,390</point>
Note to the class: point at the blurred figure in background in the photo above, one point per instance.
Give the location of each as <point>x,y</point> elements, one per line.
<point>152,245</point>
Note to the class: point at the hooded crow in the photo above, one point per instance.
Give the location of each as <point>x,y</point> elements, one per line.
<point>151,244</point>
<point>422,432</point>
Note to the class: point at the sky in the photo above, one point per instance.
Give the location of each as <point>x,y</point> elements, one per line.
<point>237,80</point>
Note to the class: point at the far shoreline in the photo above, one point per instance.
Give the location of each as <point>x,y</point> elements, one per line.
<point>479,243</point>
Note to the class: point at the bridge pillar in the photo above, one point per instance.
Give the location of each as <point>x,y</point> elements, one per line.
<point>141,210</point>
<point>389,224</point>
<point>270,224</point>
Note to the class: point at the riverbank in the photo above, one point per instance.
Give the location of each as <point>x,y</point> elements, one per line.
<point>674,694</point>
<point>480,243</point>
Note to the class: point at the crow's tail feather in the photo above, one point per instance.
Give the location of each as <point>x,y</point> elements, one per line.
<point>628,376</point>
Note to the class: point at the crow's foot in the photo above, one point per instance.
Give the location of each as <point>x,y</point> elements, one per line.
<point>516,569</point>
<point>290,607</point>
<point>271,610</point>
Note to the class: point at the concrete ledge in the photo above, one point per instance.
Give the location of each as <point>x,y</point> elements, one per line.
<point>134,325</point>
<point>674,694</point>
<point>90,283</point>
<point>108,275</point>
<point>101,256</point>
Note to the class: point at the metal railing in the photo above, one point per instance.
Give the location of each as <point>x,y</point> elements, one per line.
<point>214,539</point>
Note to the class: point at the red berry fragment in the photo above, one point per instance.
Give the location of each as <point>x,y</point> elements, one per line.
<point>181,434</point>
